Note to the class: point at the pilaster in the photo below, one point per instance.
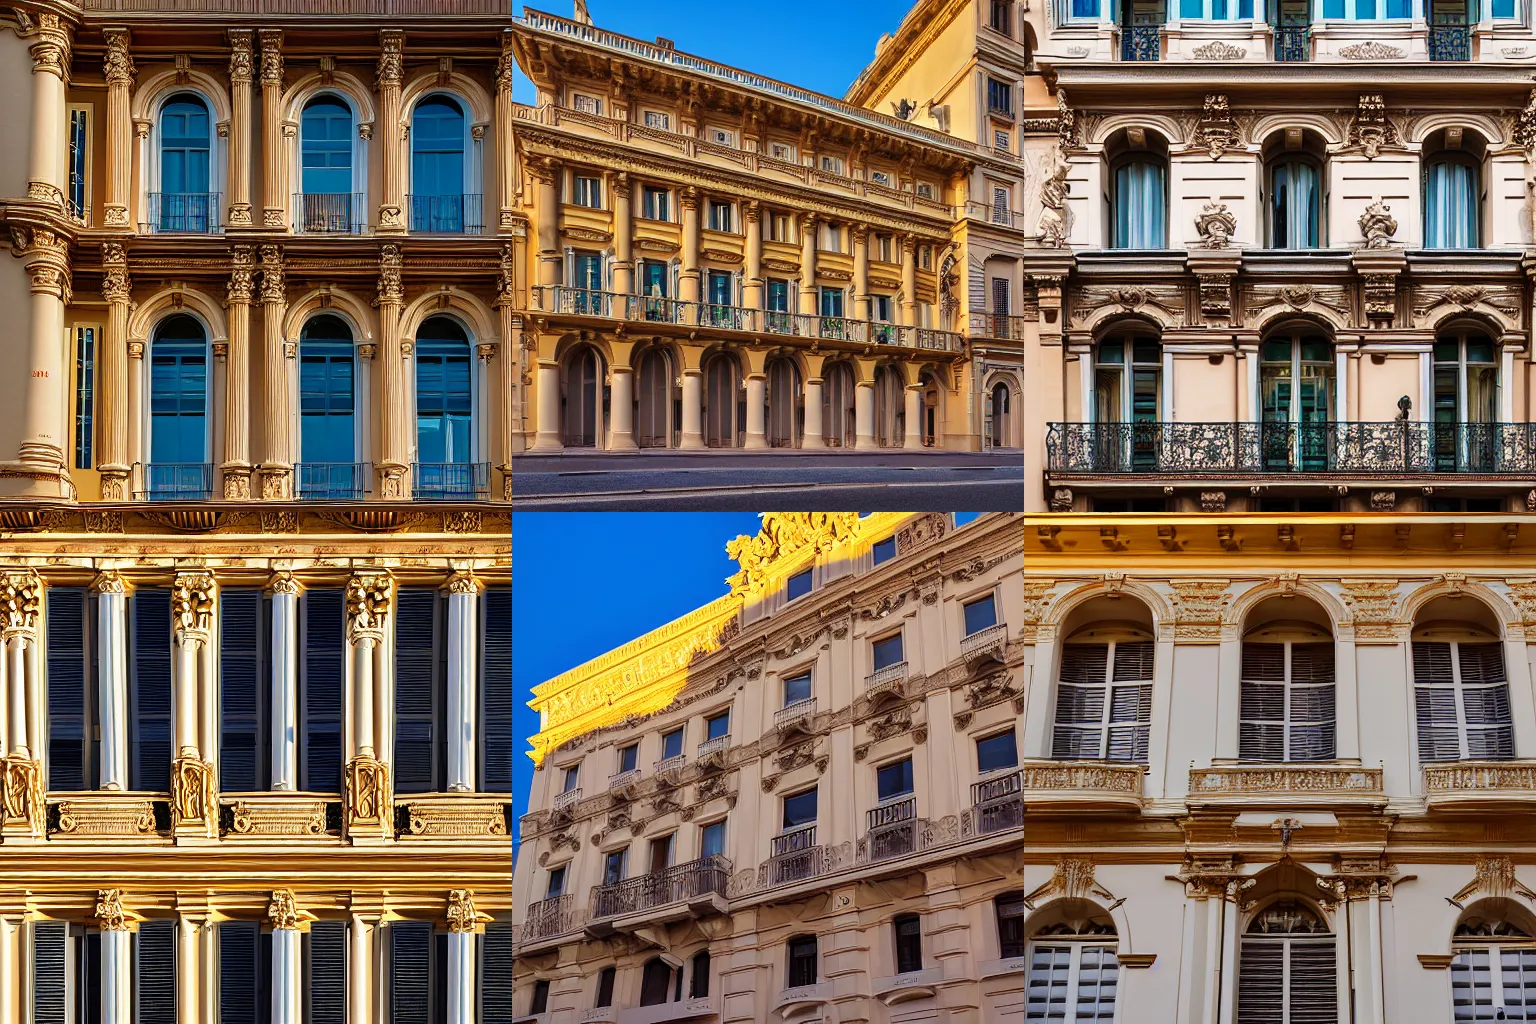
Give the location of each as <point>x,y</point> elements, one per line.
<point>112,672</point>
<point>273,209</point>
<point>285,676</point>
<point>117,288</point>
<point>391,465</point>
<point>120,74</point>
<point>24,806</point>
<point>50,50</point>
<point>277,469</point>
<point>505,164</point>
<point>368,806</point>
<point>463,677</point>
<point>194,798</point>
<point>241,70</point>
<point>391,131</point>
<point>237,381</point>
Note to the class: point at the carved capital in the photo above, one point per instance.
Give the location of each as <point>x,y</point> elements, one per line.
<point>390,266</point>
<point>368,601</point>
<point>241,59</point>
<point>391,62</point>
<point>118,63</point>
<point>109,581</point>
<point>192,603</point>
<point>20,600</point>
<point>462,915</point>
<point>194,806</point>
<point>284,583</point>
<point>25,807</point>
<point>272,57</point>
<point>116,286</point>
<point>463,583</point>
<point>108,913</point>
<point>284,913</point>
<point>367,805</point>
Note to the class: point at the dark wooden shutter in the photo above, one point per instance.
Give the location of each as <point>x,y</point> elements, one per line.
<point>245,956</point>
<point>320,706</point>
<point>496,692</point>
<point>154,981</point>
<point>150,699</point>
<point>69,692</point>
<point>410,973</point>
<point>327,944</point>
<point>418,685</point>
<point>496,974</point>
<point>88,978</point>
<point>244,758</point>
<point>49,988</point>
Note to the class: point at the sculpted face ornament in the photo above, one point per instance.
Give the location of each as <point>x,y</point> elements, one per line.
<point>1377,225</point>
<point>1216,225</point>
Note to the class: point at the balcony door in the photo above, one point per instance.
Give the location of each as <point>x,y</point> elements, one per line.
<point>437,165</point>
<point>325,174</point>
<point>1296,383</point>
<point>178,409</point>
<point>327,413</point>
<point>1466,371</point>
<point>444,396</point>
<point>1127,402</point>
<point>185,148</point>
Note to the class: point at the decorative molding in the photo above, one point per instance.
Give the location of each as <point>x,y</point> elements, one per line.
<point>453,815</point>
<point>1371,50</point>
<point>1218,50</point>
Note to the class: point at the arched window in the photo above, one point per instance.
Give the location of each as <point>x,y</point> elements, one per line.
<point>930,408</point>
<point>698,985</point>
<point>655,981</point>
<point>724,401</point>
<point>1002,415</point>
<point>1452,194</point>
<point>1138,191</point>
<point>325,167</point>
<point>184,202</point>
<point>1295,201</point>
<point>1072,976</point>
<point>437,166</point>
<point>327,410</point>
<point>1286,967</point>
<point>1296,384</point>
<point>1286,707</point>
<point>889,407</point>
<point>1466,368</point>
<point>444,408</point>
<point>582,379</point>
<point>1493,974</point>
<point>1104,694</point>
<point>178,404</point>
<point>1460,692</point>
<point>838,424</point>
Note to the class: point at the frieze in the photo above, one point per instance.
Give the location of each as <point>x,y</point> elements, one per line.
<point>1198,608</point>
<point>276,816</point>
<point>1167,300</point>
<point>454,815</point>
<point>1373,605</point>
<point>90,817</point>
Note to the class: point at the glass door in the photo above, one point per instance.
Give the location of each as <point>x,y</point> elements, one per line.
<point>1297,395</point>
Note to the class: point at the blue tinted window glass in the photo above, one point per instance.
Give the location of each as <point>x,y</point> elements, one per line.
<point>1399,9</point>
<point>894,779</point>
<point>1085,8</point>
<point>184,145</point>
<point>1333,8</point>
<point>326,153</point>
<point>718,726</point>
<point>885,550</point>
<point>799,584</point>
<point>178,392</point>
<point>887,652</point>
<point>1503,8</point>
<point>437,148</point>
<point>326,392</point>
<point>443,399</point>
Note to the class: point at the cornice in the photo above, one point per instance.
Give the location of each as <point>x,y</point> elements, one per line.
<point>919,29</point>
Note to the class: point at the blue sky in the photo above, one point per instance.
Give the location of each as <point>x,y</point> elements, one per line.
<point>814,44</point>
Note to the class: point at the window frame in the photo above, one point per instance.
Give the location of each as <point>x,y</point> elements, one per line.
<point>801,955</point>
<point>357,165</point>
<point>1106,726</point>
<point>1013,735</point>
<point>912,954</point>
<point>1121,162</point>
<point>580,190</point>
<point>792,585</point>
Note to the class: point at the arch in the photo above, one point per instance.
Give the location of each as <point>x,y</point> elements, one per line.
<point>478,318</point>
<point>352,308</point>
<point>178,408</point>
<point>168,301</point>
<point>1486,127</point>
<point>479,106</point>
<point>784,421</point>
<point>151,93</point>
<point>1060,609</point>
<point>1166,128</point>
<point>724,399</point>
<point>1150,315</point>
<point>1308,308</point>
<point>1139,180</point>
<point>583,397</point>
<point>1268,125</point>
<point>838,425</point>
<point>1243,606</point>
<point>890,404</point>
<point>1006,424</point>
<point>1062,909</point>
<point>343,83</point>
<point>655,396</point>
<point>1295,186</point>
<point>1478,313</point>
<point>1507,619</point>
<point>1287,880</point>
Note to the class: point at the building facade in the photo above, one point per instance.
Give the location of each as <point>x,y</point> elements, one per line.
<point>725,261</point>
<point>255,600</point>
<point>800,802</point>
<point>1279,258</point>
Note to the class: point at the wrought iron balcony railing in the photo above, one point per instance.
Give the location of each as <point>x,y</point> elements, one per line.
<point>984,641</point>
<point>677,884</point>
<point>891,677</point>
<point>623,779</point>
<point>330,213</point>
<point>1141,42</point>
<point>793,857</point>
<point>445,215</point>
<point>998,325</point>
<point>1395,448</point>
<point>1450,42</point>
<point>891,829</point>
<point>717,745</point>
<point>451,481</point>
<point>675,763</point>
<point>1293,43</point>
<point>331,481</point>
<point>183,213</point>
<point>794,714</point>
<point>553,916</point>
<point>570,798</point>
<point>999,803</point>
<point>178,481</point>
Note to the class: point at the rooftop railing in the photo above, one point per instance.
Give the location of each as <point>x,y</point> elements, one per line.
<point>677,884</point>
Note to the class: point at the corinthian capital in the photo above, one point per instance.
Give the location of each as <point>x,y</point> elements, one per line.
<point>20,599</point>
<point>462,915</point>
<point>116,286</point>
<point>272,274</point>
<point>368,598</point>
<point>284,912</point>
<point>241,59</point>
<point>192,602</point>
<point>391,58</point>
<point>271,56</point>
<point>118,62</point>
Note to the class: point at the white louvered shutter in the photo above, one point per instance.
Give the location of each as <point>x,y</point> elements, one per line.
<point>1286,708</point>
<point>1080,701</point>
<point>1462,700</point>
<point>1093,723</point>
<point>1071,983</point>
<point>1287,981</point>
<point>1493,983</point>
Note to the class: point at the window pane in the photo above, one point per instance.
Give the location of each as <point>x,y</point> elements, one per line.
<point>797,689</point>
<point>672,743</point>
<point>894,780</point>
<point>887,652</point>
<point>719,726</point>
<point>799,584</point>
<point>995,752</point>
<point>800,809</point>
<point>979,615</point>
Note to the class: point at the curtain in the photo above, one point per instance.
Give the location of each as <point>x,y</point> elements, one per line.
<point>1140,205</point>
<point>1450,205</point>
<point>1294,219</point>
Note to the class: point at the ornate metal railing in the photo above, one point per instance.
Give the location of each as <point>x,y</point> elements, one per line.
<point>330,213</point>
<point>672,764</point>
<point>998,803</point>
<point>793,857</point>
<point>728,318</point>
<point>793,714</point>
<point>553,916</point>
<point>891,829</point>
<point>445,215</point>
<point>676,884</point>
<point>331,481</point>
<point>451,481</point>
<point>183,212</point>
<point>622,779</point>
<point>570,798</point>
<point>178,481</point>
<point>718,745</point>
<point>1450,42</point>
<point>891,677</point>
<point>998,325</point>
<point>1141,42</point>
<point>1293,42</point>
<point>1374,449</point>
<point>983,641</point>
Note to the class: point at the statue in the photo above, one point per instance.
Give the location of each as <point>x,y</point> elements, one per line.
<point>1378,225</point>
<point>1216,225</point>
<point>1055,219</point>
<point>904,108</point>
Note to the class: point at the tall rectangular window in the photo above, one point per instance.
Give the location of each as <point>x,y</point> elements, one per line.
<point>778,295</point>
<point>420,669</point>
<point>325,971</point>
<point>712,839</point>
<point>587,191</point>
<point>720,216</point>
<point>894,780</point>
<point>73,744</point>
<point>909,943</point>
<point>149,695</point>
<point>629,758</point>
<point>418,983</point>
<point>496,691</point>
<point>802,961</point>
<point>797,688</point>
<point>980,614</point>
<point>245,977</point>
<point>800,808</point>
<point>887,652</point>
<point>672,743</point>
<point>1001,16</point>
<point>999,97</point>
<point>154,972</point>
<point>655,203</point>
<point>717,726</point>
<point>322,678</point>
<point>996,752</point>
<point>85,397</point>
<point>66,974</point>
<point>79,161</point>
<point>245,688</point>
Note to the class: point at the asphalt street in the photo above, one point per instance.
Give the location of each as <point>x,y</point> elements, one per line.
<point>771,481</point>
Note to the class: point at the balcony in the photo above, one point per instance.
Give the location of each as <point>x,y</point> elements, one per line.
<point>802,997</point>
<point>1081,785</point>
<point>687,1009</point>
<point>998,803</point>
<point>178,481</point>
<point>993,213</point>
<point>1398,448</point>
<point>998,325</point>
<point>793,857</point>
<point>1288,785</point>
<point>891,831</point>
<point>1293,43</point>
<point>182,213</point>
<point>451,481</point>
<point>1141,42</point>
<point>330,213</point>
<point>331,481</point>
<point>445,215</point>
<point>796,715</point>
<point>1480,785</point>
<point>1450,42</point>
<point>694,889</point>
<point>671,766</point>
<point>549,918</point>
<point>905,987</point>
<point>990,640</point>
<point>889,679</point>
<point>570,798</point>
<point>624,780</point>
<point>714,748</point>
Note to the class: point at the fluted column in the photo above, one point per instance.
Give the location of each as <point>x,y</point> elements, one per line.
<point>864,414</point>
<point>112,385</point>
<point>120,72</point>
<point>464,923</point>
<point>116,927</point>
<point>285,682</point>
<point>912,434</point>
<point>391,465</point>
<point>50,66</point>
<point>757,391</point>
<point>463,680</point>
<point>112,674</point>
<point>688,281</point>
<point>277,468</point>
<point>237,380</point>
<point>860,272</point>
<point>693,408</point>
<point>367,807</point>
<point>287,970</point>
<point>42,449</point>
<point>808,264</point>
<point>752,270</point>
<point>241,68</point>
<point>391,131</point>
<point>548,438</point>
<point>506,164</point>
<point>909,281</point>
<point>273,209</point>
<point>623,282</point>
<point>194,805</point>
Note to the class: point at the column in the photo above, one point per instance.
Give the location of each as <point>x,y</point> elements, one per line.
<point>813,434</point>
<point>860,272</point>
<point>909,281</point>
<point>114,463</point>
<point>9,1007</point>
<point>391,465</point>
<point>115,927</point>
<point>273,209</point>
<point>463,679</point>
<point>912,434</point>
<point>548,437</point>
<point>360,969</point>
<point>463,925</point>
<point>752,271</point>
<point>194,805</point>
<point>808,268</point>
<point>368,814</point>
<point>17,673</point>
<point>112,662</point>
<point>506,166</point>
<point>241,66</point>
<point>47,261</point>
<point>285,685</point>
<point>1229,952</point>
<point>237,379</point>
<point>623,282</point>
<point>188,970</point>
<point>277,469</point>
<point>185,673</point>
<point>546,175</point>
<point>693,408</point>
<point>622,436</point>
<point>391,144</point>
<point>135,408</point>
<point>864,414</point>
<point>120,72</point>
<point>287,976</point>
<point>50,58</point>
<point>688,283</point>
<point>757,393</point>
<point>362,694</point>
